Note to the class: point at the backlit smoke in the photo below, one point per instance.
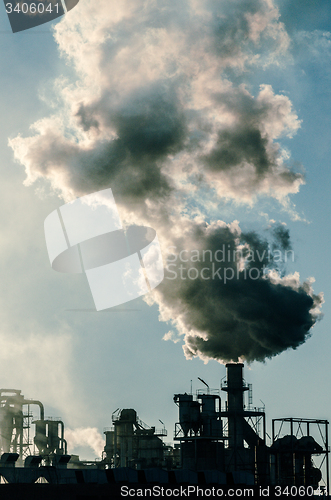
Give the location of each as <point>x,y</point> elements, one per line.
<point>85,436</point>
<point>154,111</point>
<point>229,297</point>
<point>161,113</point>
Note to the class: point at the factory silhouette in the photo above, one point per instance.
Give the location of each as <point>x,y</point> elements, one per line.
<point>214,444</point>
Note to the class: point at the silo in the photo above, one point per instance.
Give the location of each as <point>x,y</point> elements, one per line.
<point>189,413</point>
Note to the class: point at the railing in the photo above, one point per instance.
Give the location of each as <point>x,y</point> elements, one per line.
<point>161,432</point>
<point>108,429</point>
<point>157,432</point>
<point>251,408</point>
<point>224,384</point>
<point>213,392</point>
<point>179,433</point>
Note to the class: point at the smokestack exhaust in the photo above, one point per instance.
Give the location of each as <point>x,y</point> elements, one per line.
<point>235,388</point>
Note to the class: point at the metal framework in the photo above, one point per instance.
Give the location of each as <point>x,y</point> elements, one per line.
<point>26,444</point>
<point>15,422</point>
<point>300,427</point>
<point>254,417</point>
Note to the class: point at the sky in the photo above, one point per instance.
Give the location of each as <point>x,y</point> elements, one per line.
<point>210,122</point>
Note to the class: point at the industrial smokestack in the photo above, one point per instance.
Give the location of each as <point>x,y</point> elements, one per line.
<point>235,388</point>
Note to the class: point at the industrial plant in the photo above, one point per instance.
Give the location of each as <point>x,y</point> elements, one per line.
<point>214,443</point>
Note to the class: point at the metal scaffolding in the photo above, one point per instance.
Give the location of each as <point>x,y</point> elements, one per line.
<point>297,429</point>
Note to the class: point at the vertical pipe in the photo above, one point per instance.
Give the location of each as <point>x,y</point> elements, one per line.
<point>264,430</point>
<point>255,466</point>
<point>62,436</point>
<point>115,444</point>
<point>123,444</point>
<point>327,458</point>
<point>21,431</point>
<point>235,389</point>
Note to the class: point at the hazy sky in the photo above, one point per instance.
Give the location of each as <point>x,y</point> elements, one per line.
<point>210,121</point>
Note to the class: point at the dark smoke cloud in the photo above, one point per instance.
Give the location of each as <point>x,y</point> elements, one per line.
<point>247,142</point>
<point>146,128</point>
<point>250,314</point>
<point>234,147</point>
<point>282,236</point>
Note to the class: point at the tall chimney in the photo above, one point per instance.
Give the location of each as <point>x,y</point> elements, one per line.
<point>235,388</point>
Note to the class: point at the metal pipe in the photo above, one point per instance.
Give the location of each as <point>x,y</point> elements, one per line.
<point>264,430</point>
<point>38,403</point>
<point>65,447</point>
<point>235,389</point>
<point>62,429</point>
<point>115,445</point>
<point>327,458</point>
<point>62,435</point>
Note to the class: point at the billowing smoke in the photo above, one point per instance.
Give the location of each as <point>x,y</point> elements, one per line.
<point>85,436</point>
<point>153,110</point>
<point>160,112</point>
<point>229,297</point>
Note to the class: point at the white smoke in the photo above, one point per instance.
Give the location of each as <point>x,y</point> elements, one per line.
<point>85,436</point>
<point>153,109</point>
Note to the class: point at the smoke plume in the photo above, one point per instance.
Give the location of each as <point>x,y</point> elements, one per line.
<point>229,298</point>
<point>85,436</point>
<point>153,109</point>
<point>161,113</point>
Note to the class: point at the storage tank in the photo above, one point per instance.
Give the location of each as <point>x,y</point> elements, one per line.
<point>189,413</point>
